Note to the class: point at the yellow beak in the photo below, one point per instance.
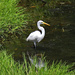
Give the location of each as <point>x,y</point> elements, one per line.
<point>46,24</point>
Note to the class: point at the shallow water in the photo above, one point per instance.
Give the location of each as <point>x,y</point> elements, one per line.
<point>59,41</point>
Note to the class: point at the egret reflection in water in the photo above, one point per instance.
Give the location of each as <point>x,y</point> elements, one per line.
<point>36,61</point>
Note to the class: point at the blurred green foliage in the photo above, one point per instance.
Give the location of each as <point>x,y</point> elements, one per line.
<point>52,8</point>
<point>10,67</point>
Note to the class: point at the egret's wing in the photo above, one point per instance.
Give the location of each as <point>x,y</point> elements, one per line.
<point>33,36</point>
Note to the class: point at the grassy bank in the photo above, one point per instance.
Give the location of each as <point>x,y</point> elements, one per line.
<point>12,17</point>
<point>10,67</point>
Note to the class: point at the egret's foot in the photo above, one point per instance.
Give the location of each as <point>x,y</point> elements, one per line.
<point>34,46</point>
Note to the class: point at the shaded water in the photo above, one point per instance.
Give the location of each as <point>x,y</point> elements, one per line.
<point>59,41</point>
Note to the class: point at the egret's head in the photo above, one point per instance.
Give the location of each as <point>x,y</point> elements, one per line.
<point>42,22</point>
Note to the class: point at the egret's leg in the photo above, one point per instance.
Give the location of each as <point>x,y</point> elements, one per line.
<point>35,44</point>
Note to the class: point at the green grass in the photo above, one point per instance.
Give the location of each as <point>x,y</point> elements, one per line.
<point>12,16</point>
<point>10,67</point>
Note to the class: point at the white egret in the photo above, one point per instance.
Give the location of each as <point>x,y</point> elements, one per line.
<point>37,36</point>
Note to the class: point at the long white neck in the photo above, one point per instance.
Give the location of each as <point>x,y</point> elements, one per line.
<point>41,28</point>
